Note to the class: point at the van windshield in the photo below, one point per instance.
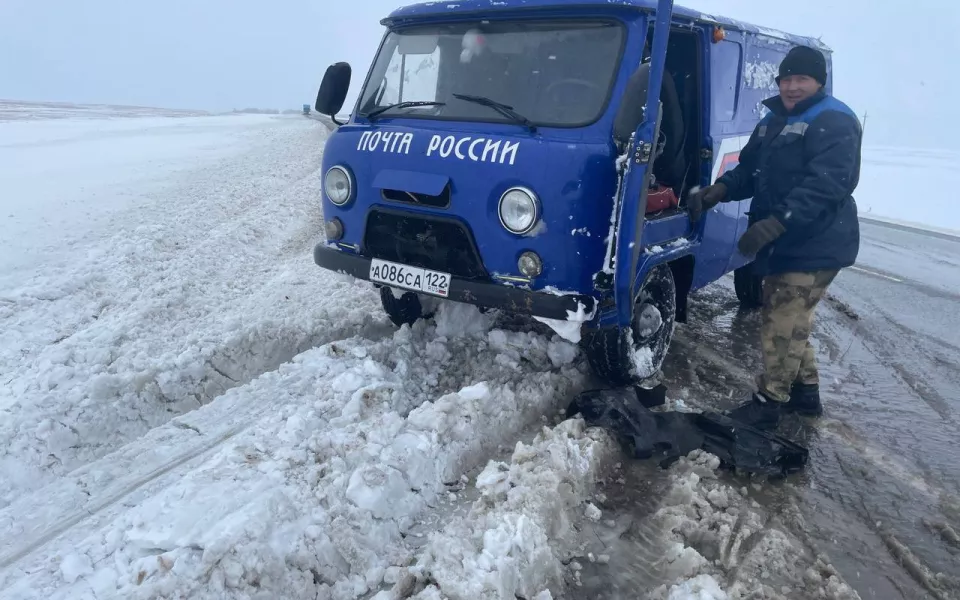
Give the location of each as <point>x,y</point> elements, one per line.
<point>551,73</point>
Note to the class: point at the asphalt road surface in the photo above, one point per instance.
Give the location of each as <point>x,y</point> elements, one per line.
<point>881,495</point>
<point>894,408</point>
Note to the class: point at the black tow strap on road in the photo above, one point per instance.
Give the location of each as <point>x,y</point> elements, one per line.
<point>666,436</point>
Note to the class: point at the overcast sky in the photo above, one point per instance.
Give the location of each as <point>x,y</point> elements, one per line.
<point>224,54</point>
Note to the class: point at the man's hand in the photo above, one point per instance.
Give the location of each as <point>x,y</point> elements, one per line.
<point>759,235</point>
<point>705,199</point>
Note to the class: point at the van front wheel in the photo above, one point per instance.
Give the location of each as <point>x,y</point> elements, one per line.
<point>403,308</point>
<point>624,356</point>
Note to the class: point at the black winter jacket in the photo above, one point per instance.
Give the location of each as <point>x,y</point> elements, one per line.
<point>802,167</point>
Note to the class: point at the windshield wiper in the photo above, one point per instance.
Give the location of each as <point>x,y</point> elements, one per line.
<point>409,104</point>
<point>501,108</point>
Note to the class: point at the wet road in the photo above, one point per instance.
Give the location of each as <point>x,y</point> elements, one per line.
<point>892,375</point>
<point>880,499</point>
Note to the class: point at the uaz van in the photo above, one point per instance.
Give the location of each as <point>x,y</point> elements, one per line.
<point>535,156</point>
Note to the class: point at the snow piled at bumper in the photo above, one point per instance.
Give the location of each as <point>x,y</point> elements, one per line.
<point>310,498</point>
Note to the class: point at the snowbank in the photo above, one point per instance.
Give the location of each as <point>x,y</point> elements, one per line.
<point>510,543</point>
<point>309,495</point>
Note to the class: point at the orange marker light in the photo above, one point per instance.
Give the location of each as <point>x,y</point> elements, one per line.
<point>718,34</point>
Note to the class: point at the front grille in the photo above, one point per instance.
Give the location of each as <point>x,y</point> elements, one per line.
<point>427,242</point>
<point>441,201</point>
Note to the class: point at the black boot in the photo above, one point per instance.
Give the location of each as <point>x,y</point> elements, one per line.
<point>758,412</point>
<point>805,400</point>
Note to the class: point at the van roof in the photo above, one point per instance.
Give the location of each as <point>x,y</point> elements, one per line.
<point>464,7</point>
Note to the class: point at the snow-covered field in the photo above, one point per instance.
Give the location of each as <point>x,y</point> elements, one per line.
<point>190,408</point>
<point>910,185</point>
<point>12,110</point>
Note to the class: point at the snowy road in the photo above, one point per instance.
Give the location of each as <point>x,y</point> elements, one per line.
<point>896,397</point>
<point>190,408</point>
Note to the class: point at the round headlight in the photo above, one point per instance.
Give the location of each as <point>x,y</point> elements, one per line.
<point>519,210</point>
<point>337,185</point>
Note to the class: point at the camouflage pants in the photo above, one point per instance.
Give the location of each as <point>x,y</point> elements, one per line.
<point>789,302</point>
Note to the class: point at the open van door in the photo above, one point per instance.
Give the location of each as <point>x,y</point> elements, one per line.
<point>633,188</point>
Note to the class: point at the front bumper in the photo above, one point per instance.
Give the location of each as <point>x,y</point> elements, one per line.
<point>487,295</point>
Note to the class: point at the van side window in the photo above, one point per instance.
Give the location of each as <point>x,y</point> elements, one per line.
<point>419,73</point>
<point>724,74</point>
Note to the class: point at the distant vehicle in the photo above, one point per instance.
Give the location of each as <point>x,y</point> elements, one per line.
<point>306,109</point>
<point>536,156</point>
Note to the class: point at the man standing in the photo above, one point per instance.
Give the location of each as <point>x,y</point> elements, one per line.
<point>800,166</point>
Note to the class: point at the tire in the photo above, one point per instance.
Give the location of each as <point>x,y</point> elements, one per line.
<point>749,287</point>
<point>610,350</point>
<point>405,310</point>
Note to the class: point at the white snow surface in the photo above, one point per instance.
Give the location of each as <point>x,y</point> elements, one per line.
<point>701,587</point>
<point>892,177</point>
<point>185,271</point>
<point>297,485</point>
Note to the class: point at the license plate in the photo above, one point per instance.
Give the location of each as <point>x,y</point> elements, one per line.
<point>410,278</point>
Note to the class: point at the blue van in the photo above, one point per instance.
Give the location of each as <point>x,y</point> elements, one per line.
<point>535,156</point>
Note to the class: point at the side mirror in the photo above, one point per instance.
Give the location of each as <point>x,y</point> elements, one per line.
<point>333,90</point>
<point>631,108</point>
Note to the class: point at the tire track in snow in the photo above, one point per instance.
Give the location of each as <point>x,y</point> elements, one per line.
<point>210,285</point>
<point>122,472</point>
<point>144,461</point>
<point>335,445</point>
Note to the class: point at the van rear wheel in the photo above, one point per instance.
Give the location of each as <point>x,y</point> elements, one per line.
<point>749,287</point>
<point>624,356</point>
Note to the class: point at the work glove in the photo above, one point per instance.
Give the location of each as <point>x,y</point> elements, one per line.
<point>705,199</point>
<point>759,235</point>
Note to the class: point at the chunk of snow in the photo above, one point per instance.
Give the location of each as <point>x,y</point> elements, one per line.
<point>592,512</point>
<point>568,330</point>
<point>457,319</point>
<point>701,587</point>
<point>74,566</point>
<point>505,546</point>
<point>641,359</point>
